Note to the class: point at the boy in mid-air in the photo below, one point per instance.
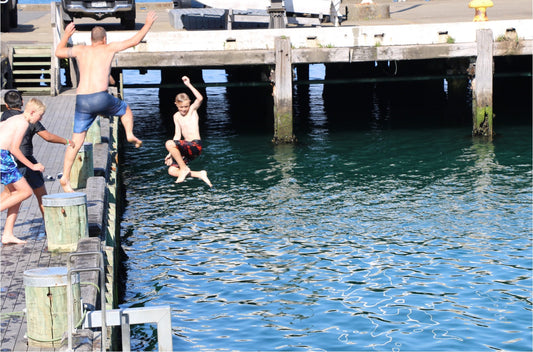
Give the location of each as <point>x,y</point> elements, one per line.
<point>183,151</point>
<point>11,133</point>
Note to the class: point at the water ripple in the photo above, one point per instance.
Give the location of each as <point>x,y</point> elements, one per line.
<point>369,242</point>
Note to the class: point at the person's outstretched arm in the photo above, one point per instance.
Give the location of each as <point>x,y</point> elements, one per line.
<point>199,97</point>
<point>62,51</point>
<point>136,39</point>
<point>52,138</point>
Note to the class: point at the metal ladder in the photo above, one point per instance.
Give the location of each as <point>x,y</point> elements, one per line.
<point>70,300</point>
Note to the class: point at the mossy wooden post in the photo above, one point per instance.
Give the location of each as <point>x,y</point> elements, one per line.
<point>94,133</point>
<point>482,85</point>
<point>83,167</point>
<point>65,220</point>
<point>282,93</point>
<point>46,305</point>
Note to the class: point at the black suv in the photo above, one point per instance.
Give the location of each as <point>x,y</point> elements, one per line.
<point>123,9</point>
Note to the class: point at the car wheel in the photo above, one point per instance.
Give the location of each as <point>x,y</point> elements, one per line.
<point>14,18</point>
<point>4,19</point>
<point>128,21</point>
<point>65,17</point>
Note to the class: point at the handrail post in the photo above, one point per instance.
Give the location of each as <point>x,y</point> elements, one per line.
<point>57,29</point>
<point>102,296</point>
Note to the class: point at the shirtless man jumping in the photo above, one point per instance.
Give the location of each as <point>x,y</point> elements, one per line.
<point>94,62</point>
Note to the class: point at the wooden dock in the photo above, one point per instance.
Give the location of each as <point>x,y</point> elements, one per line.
<point>417,29</point>
<point>281,49</point>
<point>16,259</point>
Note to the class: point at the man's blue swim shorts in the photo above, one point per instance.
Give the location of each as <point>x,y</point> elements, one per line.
<point>88,106</point>
<point>8,168</point>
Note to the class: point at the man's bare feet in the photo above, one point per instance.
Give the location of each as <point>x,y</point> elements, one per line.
<point>66,185</point>
<point>183,173</point>
<point>203,176</point>
<point>136,141</point>
<point>10,239</point>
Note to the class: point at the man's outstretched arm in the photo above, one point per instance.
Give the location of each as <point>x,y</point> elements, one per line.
<point>136,39</point>
<point>62,51</point>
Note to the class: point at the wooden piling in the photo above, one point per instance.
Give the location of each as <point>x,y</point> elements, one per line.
<point>94,133</point>
<point>282,93</point>
<point>65,220</point>
<point>83,167</point>
<point>46,305</point>
<point>482,85</point>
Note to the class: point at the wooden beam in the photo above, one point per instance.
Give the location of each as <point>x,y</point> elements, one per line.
<point>220,58</point>
<point>283,132</point>
<point>482,85</point>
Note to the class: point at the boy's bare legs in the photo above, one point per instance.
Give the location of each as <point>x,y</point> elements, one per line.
<point>10,199</point>
<point>202,175</point>
<point>70,156</point>
<point>9,225</point>
<point>39,193</point>
<point>18,191</point>
<point>12,214</point>
<point>11,218</point>
<point>127,122</point>
<point>183,170</point>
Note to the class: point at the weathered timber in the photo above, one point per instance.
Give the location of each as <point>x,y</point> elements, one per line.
<point>328,45</point>
<point>210,58</point>
<point>283,92</point>
<point>482,86</point>
<point>315,45</point>
<point>94,134</point>
<point>83,167</point>
<point>65,218</point>
<point>46,305</point>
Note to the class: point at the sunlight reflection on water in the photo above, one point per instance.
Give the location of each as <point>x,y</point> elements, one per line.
<point>374,240</point>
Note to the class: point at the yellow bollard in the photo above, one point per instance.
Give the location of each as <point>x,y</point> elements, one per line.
<point>481,9</point>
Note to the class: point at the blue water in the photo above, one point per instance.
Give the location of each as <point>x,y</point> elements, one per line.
<point>353,239</point>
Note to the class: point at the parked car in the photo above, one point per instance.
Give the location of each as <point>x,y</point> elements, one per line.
<point>9,14</point>
<point>123,9</point>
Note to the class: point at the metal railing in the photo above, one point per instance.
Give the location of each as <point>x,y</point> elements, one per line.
<point>70,303</point>
<point>131,316</point>
<point>56,22</point>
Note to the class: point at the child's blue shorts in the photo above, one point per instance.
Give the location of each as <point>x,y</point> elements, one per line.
<point>9,172</point>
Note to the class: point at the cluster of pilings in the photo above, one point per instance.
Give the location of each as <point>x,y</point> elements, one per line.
<point>418,84</point>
